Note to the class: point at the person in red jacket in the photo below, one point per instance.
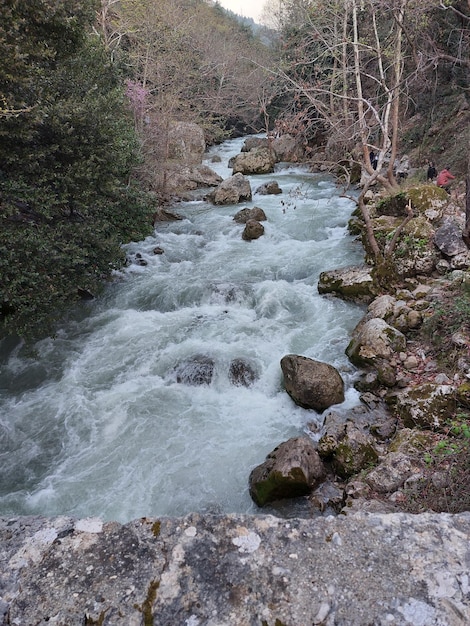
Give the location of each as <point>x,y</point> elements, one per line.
<point>444,179</point>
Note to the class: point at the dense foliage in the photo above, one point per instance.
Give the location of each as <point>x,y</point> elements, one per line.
<point>67,147</point>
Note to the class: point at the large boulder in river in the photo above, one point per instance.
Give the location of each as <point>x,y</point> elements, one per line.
<point>244,215</point>
<point>270,188</point>
<point>291,470</point>
<point>186,143</point>
<point>241,373</point>
<point>253,230</point>
<point>231,191</point>
<point>180,179</point>
<point>257,161</point>
<point>312,384</point>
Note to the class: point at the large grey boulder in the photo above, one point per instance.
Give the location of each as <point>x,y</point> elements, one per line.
<point>426,406</point>
<point>287,148</point>
<point>186,143</point>
<point>269,188</point>
<point>448,239</point>
<point>312,384</point>
<point>256,161</point>
<point>212,570</point>
<point>373,341</point>
<point>231,191</point>
<point>292,469</point>
<point>353,283</point>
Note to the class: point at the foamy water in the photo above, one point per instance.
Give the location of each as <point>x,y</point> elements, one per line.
<point>97,423</point>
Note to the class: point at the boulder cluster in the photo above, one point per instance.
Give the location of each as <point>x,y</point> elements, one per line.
<point>373,456</point>
<point>367,457</point>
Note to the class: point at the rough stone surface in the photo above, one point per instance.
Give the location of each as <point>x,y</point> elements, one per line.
<point>253,230</point>
<point>186,142</point>
<point>292,469</point>
<point>351,283</point>
<point>448,238</point>
<point>310,383</point>
<point>426,406</point>
<point>231,190</point>
<point>382,569</point>
<point>244,215</point>
<point>374,339</point>
<point>256,161</point>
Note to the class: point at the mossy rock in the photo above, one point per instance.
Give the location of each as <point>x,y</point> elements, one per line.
<point>428,200</point>
<point>463,395</point>
<point>394,206</point>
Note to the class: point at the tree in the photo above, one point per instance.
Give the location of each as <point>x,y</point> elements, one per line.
<point>66,204</point>
<point>346,71</point>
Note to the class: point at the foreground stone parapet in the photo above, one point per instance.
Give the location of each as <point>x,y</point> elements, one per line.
<point>393,569</point>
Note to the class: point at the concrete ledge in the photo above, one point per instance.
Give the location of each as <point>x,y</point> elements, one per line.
<point>363,569</point>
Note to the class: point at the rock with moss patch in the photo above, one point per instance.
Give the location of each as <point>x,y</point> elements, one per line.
<point>291,470</point>
<point>426,406</point>
<point>352,283</point>
<point>374,340</point>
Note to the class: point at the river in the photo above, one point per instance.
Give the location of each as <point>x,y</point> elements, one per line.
<point>95,422</point>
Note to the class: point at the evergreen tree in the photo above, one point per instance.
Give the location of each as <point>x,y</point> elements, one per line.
<point>67,147</point>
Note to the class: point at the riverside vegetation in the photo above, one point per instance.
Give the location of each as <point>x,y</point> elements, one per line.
<point>87,98</point>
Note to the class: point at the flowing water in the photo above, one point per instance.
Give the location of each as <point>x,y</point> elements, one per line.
<point>96,422</point>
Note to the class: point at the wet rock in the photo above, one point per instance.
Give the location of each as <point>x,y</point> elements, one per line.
<point>231,191</point>
<point>253,230</point>
<point>257,161</point>
<point>163,215</point>
<point>292,469</point>
<point>158,250</point>
<point>241,373</point>
<point>312,384</point>
<point>197,370</point>
<point>244,215</point>
<point>270,188</point>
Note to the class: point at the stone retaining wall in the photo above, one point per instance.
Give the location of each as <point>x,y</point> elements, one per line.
<point>201,570</point>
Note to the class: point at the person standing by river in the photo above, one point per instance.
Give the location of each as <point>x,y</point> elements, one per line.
<point>444,179</point>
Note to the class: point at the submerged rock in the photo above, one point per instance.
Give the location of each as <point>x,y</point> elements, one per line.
<point>197,370</point>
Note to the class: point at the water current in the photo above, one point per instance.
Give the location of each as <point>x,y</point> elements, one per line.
<point>95,422</point>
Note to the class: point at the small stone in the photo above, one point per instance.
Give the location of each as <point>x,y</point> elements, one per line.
<point>411,363</point>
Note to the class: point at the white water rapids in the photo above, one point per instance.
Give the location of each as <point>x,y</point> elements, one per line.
<point>95,423</point>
